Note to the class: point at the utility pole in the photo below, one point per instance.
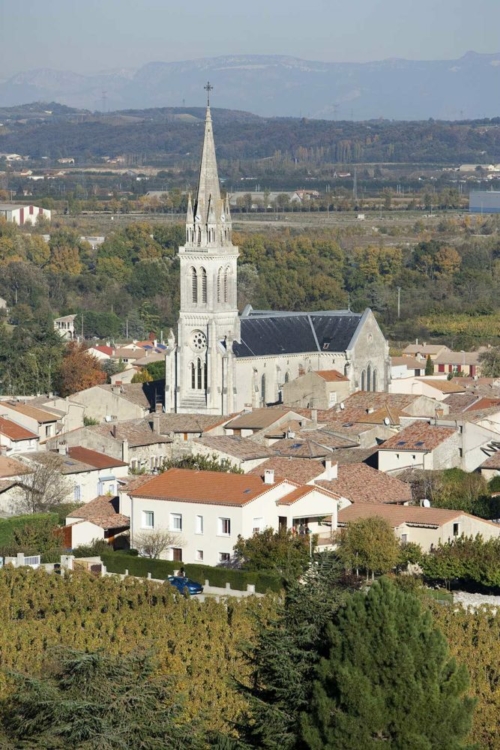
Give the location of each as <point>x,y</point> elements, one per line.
<point>399,301</point>
<point>355,185</point>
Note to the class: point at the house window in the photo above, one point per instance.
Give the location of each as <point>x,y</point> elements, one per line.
<point>456,529</point>
<point>460,452</point>
<point>224,526</point>
<point>177,554</point>
<point>397,456</point>
<point>404,538</point>
<point>175,522</point>
<point>48,430</point>
<point>257,525</point>
<point>199,555</point>
<point>414,458</point>
<point>199,525</point>
<point>224,557</point>
<point>148,519</point>
<point>77,493</point>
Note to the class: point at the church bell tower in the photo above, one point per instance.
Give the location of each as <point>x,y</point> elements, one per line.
<point>199,364</point>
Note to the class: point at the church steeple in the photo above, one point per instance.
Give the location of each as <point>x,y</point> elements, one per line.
<point>209,223</point>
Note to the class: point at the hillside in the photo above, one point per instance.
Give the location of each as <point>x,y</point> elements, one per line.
<point>161,135</point>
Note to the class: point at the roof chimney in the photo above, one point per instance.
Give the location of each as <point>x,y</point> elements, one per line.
<point>156,423</point>
<point>314,417</point>
<point>269,476</point>
<point>331,470</point>
<point>62,448</point>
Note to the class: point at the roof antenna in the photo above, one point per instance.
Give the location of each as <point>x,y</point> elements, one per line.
<point>208,88</point>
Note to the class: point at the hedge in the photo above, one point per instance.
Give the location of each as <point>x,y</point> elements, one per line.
<point>117,562</point>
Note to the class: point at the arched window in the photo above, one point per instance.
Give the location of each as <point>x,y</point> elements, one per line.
<point>263,389</point>
<point>287,377</point>
<point>193,376</point>
<point>200,374</point>
<point>374,381</point>
<point>219,285</point>
<point>226,285</point>
<point>369,378</point>
<point>194,286</point>
<point>199,235</point>
<point>363,380</point>
<point>203,285</point>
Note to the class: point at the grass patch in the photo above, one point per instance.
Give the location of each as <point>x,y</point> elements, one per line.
<point>440,595</point>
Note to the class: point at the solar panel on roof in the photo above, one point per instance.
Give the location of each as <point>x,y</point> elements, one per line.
<point>295,446</point>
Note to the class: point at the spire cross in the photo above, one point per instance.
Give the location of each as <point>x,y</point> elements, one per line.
<point>208,88</point>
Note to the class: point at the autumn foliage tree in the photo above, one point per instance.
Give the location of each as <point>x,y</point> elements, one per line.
<point>78,370</point>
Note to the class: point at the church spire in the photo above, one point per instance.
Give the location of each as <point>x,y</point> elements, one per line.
<point>208,223</point>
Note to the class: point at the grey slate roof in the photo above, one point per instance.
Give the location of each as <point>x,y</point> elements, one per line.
<point>293,333</point>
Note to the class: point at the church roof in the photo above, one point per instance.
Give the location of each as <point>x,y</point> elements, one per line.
<point>269,333</point>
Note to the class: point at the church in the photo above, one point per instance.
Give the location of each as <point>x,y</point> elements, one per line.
<point>221,362</point>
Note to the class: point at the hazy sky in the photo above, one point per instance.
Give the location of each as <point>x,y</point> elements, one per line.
<point>91,35</point>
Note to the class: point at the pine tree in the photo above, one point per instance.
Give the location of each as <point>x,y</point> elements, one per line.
<point>388,680</point>
<point>284,659</point>
<point>93,701</point>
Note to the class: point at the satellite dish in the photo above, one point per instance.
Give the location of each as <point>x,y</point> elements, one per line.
<point>426,503</point>
<point>387,421</point>
<point>342,406</point>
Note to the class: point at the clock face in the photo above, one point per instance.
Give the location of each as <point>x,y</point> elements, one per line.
<point>198,341</point>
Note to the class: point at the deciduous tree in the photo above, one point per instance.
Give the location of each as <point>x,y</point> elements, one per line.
<point>369,544</point>
<point>78,370</point>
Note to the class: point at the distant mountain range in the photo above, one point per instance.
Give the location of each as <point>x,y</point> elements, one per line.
<point>398,89</point>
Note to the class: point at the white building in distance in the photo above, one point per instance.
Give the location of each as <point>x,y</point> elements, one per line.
<point>23,214</point>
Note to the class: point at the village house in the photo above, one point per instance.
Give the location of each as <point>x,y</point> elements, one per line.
<point>97,520</point>
<point>137,442</point>
<point>435,387</point>
<point>319,390</point>
<point>15,439</point>
<point>423,350</point>
<point>65,326</point>
<point>407,367</point>
<point>427,527</point>
<point>88,473</point>
<point>242,453</point>
<point>262,424</point>
<point>359,483</point>
<point>12,475</point>
<point>467,363</point>
<point>421,446</point>
<point>119,402</point>
<point>41,422</point>
<point>206,512</point>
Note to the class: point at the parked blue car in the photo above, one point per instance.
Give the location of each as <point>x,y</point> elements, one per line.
<point>181,583</point>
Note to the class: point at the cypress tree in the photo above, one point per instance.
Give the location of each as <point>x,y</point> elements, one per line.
<point>429,366</point>
<point>388,680</point>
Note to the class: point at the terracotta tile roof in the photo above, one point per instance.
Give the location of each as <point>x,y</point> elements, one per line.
<point>360,483</point>
<point>129,484</point>
<point>460,401</point>
<point>283,429</point>
<point>207,487</point>
<point>15,431</point>
<point>76,461</point>
<point>103,512</point>
<point>445,386</point>
<point>179,423</point>
<point>301,492</point>
<point>322,415</point>
<point>104,349</point>
<point>471,415</point>
<point>326,439</point>
<point>354,455</point>
<point>419,436</point>
<point>94,459</point>
<point>33,412</point>
<point>412,515</point>
<point>484,403</point>
<point>137,431</point>
<point>235,446</point>
<point>124,353</point>
<point>411,363</point>
<point>300,470</point>
<point>9,467</point>
<point>366,406</point>
<point>424,348</point>
<point>459,358</point>
<point>259,419</point>
<point>492,462</point>
<point>332,376</point>
<point>299,448</point>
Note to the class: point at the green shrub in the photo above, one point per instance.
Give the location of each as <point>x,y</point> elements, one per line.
<point>117,562</point>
